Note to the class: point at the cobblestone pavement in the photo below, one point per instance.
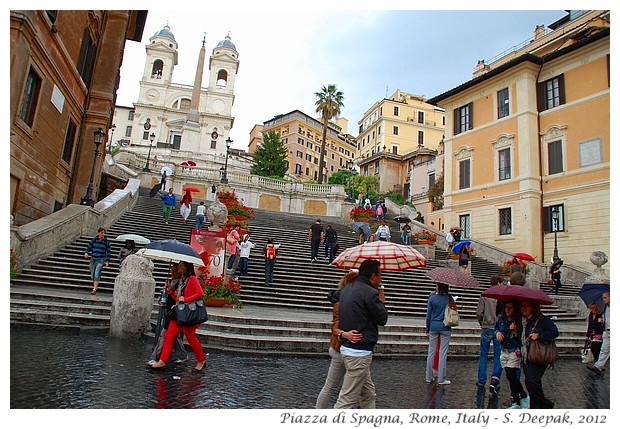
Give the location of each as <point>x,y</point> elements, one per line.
<point>52,369</point>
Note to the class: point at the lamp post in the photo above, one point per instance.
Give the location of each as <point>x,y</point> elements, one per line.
<point>112,128</point>
<point>148,158</point>
<point>87,200</point>
<point>555,215</point>
<point>224,178</point>
<point>349,188</point>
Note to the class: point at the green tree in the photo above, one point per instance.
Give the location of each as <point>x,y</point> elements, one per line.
<point>270,157</point>
<point>366,184</point>
<point>328,104</point>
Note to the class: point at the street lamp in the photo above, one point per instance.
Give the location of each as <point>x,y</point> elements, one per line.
<point>555,215</point>
<point>112,128</point>
<point>148,158</point>
<point>224,178</point>
<point>87,200</point>
<point>349,166</point>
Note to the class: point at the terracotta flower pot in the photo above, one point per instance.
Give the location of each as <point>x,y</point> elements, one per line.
<point>215,302</point>
<point>424,242</point>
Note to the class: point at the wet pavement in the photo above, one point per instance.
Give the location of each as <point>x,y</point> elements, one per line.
<point>67,369</point>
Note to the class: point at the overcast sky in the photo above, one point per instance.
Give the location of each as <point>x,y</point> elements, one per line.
<point>288,55</point>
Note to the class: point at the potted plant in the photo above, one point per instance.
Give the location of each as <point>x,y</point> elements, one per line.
<point>219,290</point>
<point>505,267</point>
<point>360,214</point>
<point>238,214</point>
<point>424,237</point>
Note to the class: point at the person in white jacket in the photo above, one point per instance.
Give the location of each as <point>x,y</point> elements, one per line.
<point>245,246</point>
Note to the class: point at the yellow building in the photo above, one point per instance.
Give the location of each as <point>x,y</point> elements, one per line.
<point>394,127</point>
<point>529,138</point>
<point>302,136</point>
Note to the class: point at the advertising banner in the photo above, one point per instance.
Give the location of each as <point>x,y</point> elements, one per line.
<point>211,246</point>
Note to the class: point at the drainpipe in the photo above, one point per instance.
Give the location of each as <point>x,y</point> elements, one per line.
<point>540,164</point>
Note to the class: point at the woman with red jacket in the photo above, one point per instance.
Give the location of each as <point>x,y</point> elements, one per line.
<point>186,205</point>
<point>189,290</point>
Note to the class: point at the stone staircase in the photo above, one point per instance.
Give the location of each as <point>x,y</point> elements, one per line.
<point>291,316</point>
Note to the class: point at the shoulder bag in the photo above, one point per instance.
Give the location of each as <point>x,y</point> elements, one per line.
<point>541,352</point>
<point>586,353</point>
<point>451,315</point>
<point>190,313</point>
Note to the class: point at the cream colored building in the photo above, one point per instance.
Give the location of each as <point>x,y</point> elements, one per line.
<point>394,127</point>
<point>530,135</point>
<point>302,136</point>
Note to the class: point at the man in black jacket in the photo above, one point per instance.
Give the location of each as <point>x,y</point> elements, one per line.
<point>361,309</point>
<point>331,239</point>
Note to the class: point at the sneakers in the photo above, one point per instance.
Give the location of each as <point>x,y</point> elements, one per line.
<point>493,387</point>
<point>513,406</point>
<point>444,383</point>
<point>429,381</point>
<point>479,384</point>
<point>594,369</point>
<point>525,402</point>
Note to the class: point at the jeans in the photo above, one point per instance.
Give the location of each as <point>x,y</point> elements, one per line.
<point>199,221</point>
<point>243,265</point>
<point>603,356</point>
<point>405,238</point>
<point>333,382</point>
<point>269,264</point>
<point>533,383</point>
<point>231,261</point>
<point>358,390</point>
<point>314,249</point>
<point>486,338</point>
<point>96,265</point>
<point>330,249</point>
<point>557,284</point>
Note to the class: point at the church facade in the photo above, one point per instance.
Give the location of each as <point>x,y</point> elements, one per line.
<point>180,117</point>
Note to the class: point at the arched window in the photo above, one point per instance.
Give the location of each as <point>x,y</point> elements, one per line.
<point>185,103</point>
<point>158,67</point>
<point>222,78</point>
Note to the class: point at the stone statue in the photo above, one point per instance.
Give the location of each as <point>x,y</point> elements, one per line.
<point>598,275</point>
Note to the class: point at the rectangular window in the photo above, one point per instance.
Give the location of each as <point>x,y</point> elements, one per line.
<point>464,118</point>
<point>420,117</point>
<point>130,115</point>
<point>505,221</point>
<point>297,168</point>
<point>431,180</point>
<point>555,157</point>
<point>300,154</point>
<point>145,135</point>
<point>420,138</point>
<point>176,142</point>
<point>213,144</point>
<point>551,93</point>
<point>30,98</point>
<point>67,150</point>
<point>308,157</point>
<point>395,130</point>
<point>316,160</point>
<point>307,171</point>
<point>504,164</point>
<point>503,103</point>
<point>464,174</point>
<point>86,61</point>
<point>465,224</point>
<point>395,110</point>
<point>549,224</point>
<point>395,149</point>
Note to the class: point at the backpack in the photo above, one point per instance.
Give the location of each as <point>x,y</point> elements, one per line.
<point>270,252</point>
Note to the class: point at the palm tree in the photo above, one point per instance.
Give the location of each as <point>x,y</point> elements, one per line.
<point>328,104</point>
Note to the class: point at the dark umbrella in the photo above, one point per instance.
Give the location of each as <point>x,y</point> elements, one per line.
<point>452,277</point>
<point>171,251</point>
<point>357,225</point>
<point>154,190</point>
<point>402,219</point>
<point>524,256</point>
<point>457,247</point>
<point>593,292</point>
<point>520,293</point>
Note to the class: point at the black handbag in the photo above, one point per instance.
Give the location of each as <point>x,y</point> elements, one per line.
<point>191,313</point>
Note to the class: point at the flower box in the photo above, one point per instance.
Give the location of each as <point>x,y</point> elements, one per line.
<point>215,302</point>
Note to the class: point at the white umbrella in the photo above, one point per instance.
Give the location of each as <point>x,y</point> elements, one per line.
<point>171,251</point>
<point>167,169</point>
<point>138,239</point>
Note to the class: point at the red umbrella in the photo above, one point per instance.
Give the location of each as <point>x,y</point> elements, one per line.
<point>520,293</point>
<point>524,256</point>
<point>190,189</point>
<point>184,164</point>
<point>393,257</point>
<point>188,163</point>
<point>452,277</point>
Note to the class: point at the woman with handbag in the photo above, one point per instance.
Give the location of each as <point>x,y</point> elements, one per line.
<point>189,291</point>
<point>508,331</point>
<point>537,328</point>
<point>594,335</point>
<point>438,333</point>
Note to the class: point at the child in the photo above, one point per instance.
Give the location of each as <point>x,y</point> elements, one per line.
<point>244,254</point>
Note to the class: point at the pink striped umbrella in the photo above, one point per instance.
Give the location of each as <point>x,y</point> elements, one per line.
<point>392,256</point>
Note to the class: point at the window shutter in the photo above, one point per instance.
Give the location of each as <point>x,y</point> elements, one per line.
<point>471,116</point>
<point>562,89</point>
<point>546,218</point>
<point>456,121</point>
<point>540,95</point>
